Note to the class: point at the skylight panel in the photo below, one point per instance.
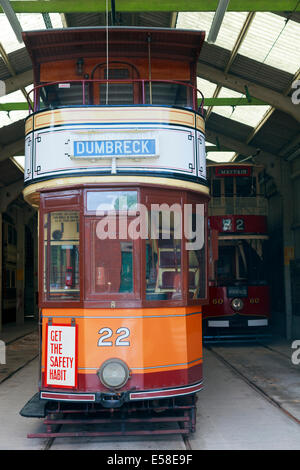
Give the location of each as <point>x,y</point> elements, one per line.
<point>220,157</point>
<point>207,88</point>
<point>274,42</point>
<point>229,31</point>
<point>28,21</point>
<point>250,115</point>
<point>6,117</point>
<point>16,96</point>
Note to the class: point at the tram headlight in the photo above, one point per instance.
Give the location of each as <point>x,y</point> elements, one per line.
<point>237,304</point>
<point>113,373</point>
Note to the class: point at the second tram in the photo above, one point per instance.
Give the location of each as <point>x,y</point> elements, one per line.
<point>239,302</point>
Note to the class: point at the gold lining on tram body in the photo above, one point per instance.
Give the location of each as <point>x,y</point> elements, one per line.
<point>125,115</point>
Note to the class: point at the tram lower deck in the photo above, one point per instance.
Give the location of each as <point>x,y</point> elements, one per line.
<point>126,282</point>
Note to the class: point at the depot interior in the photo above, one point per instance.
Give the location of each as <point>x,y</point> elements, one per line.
<point>248,75</point>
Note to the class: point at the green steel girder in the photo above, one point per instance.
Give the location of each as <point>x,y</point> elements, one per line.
<point>233,102</point>
<point>90,6</point>
<point>21,106</point>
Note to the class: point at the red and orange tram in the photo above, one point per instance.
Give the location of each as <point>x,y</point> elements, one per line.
<point>115,164</point>
<point>239,304</point>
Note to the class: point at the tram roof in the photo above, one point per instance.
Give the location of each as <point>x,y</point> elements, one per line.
<point>59,44</point>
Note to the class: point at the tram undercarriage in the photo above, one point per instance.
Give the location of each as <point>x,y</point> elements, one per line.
<point>144,417</point>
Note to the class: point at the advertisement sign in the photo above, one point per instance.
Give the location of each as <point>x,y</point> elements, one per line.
<point>61,357</point>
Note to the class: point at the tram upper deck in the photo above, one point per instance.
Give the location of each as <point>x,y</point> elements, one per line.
<point>114,105</point>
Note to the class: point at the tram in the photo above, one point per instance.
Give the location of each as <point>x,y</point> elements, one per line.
<point>115,165</point>
<point>239,304</point>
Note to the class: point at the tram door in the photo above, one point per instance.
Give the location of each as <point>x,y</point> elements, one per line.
<point>117,93</point>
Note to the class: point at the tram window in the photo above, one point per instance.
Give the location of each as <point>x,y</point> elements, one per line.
<point>163,257</point>
<point>255,255</point>
<point>196,257</point>
<point>242,261</point>
<point>167,94</point>
<point>112,271</point>
<point>62,94</point>
<point>111,200</point>
<point>116,93</point>
<point>228,186</point>
<point>61,258</point>
<point>216,188</point>
<point>245,186</point>
<point>226,263</point>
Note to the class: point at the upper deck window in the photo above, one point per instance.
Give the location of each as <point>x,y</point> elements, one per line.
<point>115,93</point>
<point>62,94</point>
<point>246,187</point>
<point>172,94</point>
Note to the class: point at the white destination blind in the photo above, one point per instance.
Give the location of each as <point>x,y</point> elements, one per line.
<point>61,356</point>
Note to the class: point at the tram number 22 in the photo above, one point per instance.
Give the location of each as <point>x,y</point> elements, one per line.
<point>107,333</point>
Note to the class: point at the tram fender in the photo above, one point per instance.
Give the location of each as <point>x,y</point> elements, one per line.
<point>34,408</point>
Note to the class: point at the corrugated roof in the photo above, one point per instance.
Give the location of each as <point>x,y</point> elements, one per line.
<point>277,133</point>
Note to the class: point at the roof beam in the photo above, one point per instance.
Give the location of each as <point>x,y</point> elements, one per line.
<point>232,144</point>
<point>18,81</point>
<point>266,158</point>
<point>12,149</point>
<point>96,6</point>
<point>268,114</point>
<point>233,82</point>
<point>10,68</point>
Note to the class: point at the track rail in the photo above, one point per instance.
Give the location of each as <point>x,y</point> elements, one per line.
<point>249,382</point>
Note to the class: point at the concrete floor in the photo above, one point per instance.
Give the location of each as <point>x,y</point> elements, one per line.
<point>230,414</point>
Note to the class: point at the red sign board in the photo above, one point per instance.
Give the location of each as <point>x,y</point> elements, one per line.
<point>232,170</point>
<point>239,223</point>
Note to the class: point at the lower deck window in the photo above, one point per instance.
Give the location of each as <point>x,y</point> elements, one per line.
<point>61,254</point>
<point>112,270</point>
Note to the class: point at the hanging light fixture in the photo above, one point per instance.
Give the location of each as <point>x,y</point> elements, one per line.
<point>12,18</point>
<point>217,21</point>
